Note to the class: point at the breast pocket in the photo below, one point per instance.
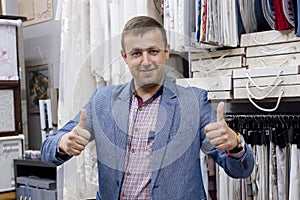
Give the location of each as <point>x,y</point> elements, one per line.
<point>150,143</point>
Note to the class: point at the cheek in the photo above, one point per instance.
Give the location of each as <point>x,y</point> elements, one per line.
<point>134,63</point>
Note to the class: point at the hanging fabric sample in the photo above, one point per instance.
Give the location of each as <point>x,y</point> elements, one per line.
<point>268,12</point>
<point>288,11</point>
<point>262,24</point>
<point>298,18</point>
<point>281,23</point>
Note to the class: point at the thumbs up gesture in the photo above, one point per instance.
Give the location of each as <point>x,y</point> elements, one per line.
<point>219,133</point>
<point>74,142</point>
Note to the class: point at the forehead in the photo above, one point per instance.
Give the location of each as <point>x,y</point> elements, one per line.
<point>141,40</point>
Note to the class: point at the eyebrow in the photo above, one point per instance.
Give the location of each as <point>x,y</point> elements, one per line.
<point>151,47</point>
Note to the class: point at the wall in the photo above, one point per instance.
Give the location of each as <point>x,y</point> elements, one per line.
<point>41,45</point>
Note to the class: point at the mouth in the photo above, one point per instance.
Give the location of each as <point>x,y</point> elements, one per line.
<point>147,70</point>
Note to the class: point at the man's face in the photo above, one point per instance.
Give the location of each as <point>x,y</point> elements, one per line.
<point>146,56</point>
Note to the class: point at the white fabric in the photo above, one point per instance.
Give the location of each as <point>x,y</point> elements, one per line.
<point>281,167</point>
<point>294,192</point>
<point>273,191</point>
<point>90,58</point>
<point>203,165</point>
<point>228,188</point>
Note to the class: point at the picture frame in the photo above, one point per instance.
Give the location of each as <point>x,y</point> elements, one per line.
<point>38,85</point>
<point>10,108</point>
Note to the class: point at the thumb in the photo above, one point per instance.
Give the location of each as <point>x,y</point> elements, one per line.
<point>83,117</point>
<point>220,111</point>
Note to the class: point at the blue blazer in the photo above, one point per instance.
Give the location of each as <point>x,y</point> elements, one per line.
<point>178,138</point>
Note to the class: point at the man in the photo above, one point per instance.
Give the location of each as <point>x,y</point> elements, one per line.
<point>149,132</point>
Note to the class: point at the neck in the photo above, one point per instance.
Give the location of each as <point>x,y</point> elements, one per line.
<point>147,91</point>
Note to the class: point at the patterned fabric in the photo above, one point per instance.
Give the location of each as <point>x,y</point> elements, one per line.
<point>142,121</point>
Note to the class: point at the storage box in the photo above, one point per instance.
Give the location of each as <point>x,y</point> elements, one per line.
<point>217,87</point>
<point>11,147</point>
<point>268,37</point>
<point>264,83</point>
<point>273,49</point>
<point>269,61</point>
<point>216,63</point>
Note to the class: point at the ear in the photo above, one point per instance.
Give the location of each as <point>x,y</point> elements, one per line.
<point>167,51</point>
<point>124,56</point>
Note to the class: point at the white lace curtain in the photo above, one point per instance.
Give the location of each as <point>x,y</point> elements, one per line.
<point>90,58</point>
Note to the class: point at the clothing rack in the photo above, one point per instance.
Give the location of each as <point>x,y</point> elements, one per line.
<point>261,129</point>
<point>287,117</point>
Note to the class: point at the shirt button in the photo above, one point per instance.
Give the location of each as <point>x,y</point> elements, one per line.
<point>132,150</point>
<point>136,129</point>
<point>128,173</point>
<point>122,194</point>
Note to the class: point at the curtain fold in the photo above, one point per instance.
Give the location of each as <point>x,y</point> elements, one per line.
<point>90,58</point>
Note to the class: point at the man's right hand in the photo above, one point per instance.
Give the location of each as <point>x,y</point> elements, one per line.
<point>74,142</point>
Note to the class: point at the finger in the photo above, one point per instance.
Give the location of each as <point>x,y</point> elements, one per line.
<point>220,111</point>
<point>83,117</point>
<point>82,140</point>
<point>213,134</point>
<point>211,127</point>
<point>83,133</point>
<point>75,147</point>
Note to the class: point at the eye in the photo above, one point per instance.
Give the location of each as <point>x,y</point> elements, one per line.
<point>136,53</point>
<point>153,52</point>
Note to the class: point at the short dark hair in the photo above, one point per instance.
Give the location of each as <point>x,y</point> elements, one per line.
<point>140,25</point>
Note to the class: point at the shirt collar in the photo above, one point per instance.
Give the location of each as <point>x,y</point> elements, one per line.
<point>148,101</point>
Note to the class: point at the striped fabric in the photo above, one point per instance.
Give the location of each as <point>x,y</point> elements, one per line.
<point>142,121</point>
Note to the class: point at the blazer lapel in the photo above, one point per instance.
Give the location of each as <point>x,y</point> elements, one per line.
<point>165,127</point>
<point>120,111</point>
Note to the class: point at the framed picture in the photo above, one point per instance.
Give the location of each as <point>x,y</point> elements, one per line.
<point>38,84</point>
<point>10,108</point>
<point>8,52</point>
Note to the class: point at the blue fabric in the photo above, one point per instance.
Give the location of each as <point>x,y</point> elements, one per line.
<point>295,13</point>
<point>298,19</point>
<point>262,24</point>
<point>241,28</point>
<point>199,6</point>
<point>180,119</point>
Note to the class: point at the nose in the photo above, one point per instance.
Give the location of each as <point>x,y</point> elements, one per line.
<point>145,60</point>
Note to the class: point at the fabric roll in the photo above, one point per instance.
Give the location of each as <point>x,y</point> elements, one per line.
<point>295,13</point>
<point>198,22</point>
<point>262,24</point>
<point>241,28</point>
<point>281,22</point>
<point>154,10</point>
<point>288,11</point>
<point>268,12</point>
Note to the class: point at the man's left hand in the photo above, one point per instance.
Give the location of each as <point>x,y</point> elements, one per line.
<point>219,133</point>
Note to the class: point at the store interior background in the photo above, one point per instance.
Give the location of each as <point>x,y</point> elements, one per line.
<point>41,46</point>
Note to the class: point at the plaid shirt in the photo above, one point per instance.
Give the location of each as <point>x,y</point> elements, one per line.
<point>138,165</point>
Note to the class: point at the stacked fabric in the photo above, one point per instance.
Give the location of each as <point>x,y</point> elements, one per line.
<point>221,23</point>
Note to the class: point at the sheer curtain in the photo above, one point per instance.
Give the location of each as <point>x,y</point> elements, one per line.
<point>90,58</point>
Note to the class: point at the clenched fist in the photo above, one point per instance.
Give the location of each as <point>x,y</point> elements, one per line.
<point>74,142</point>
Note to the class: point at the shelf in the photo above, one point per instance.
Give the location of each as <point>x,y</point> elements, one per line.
<point>34,167</point>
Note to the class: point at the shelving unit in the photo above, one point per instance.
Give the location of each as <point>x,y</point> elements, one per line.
<point>36,168</point>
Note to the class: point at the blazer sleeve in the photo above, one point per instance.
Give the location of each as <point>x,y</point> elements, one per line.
<point>235,168</point>
<point>49,149</point>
